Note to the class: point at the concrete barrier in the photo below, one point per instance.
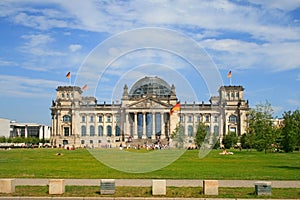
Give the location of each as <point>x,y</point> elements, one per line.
<point>56,186</point>
<point>159,187</point>
<point>210,187</point>
<point>107,186</point>
<point>262,188</point>
<point>7,186</point>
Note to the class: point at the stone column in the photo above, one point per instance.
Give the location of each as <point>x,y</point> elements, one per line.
<point>153,125</point>
<point>144,136</point>
<point>113,125</point>
<point>126,124</point>
<point>185,124</point>
<point>104,127</point>
<point>26,133</point>
<point>135,135</point>
<point>162,125</point>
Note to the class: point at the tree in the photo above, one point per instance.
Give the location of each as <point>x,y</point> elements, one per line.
<point>229,140</point>
<point>201,133</point>
<point>261,127</point>
<point>291,131</point>
<point>178,136</point>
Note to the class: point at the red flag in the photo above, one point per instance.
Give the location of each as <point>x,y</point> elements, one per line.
<point>229,74</point>
<point>84,87</point>
<point>176,107</point>
<point>68,75</point>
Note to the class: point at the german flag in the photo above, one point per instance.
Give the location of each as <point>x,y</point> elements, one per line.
<point>68,75</point>
<point>175,107</point>
<point>84,87</point>
<point>229,74</point>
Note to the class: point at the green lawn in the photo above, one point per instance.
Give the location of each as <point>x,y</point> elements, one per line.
<point>44,163</point>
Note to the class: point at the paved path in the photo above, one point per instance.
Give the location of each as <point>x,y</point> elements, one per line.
<point>148,182</point>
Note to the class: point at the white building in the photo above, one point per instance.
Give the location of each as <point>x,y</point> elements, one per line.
<point>142,115</point>
<point>4,127</point>
<point>10,128</point>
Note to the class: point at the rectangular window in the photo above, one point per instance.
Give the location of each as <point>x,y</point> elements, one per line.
<point>190,119</point>
<point>83,119</point>
<point>216,119</point>
<point>108,119</point>
<point>181,118</point>
<point>66,131</point>
<point>198,118</point>
<point>100,118</point>
<point>92,119</point>
<point>91,141</point>
<point>207,118</point>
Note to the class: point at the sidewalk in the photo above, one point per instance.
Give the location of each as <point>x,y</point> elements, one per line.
<point>148,183</point>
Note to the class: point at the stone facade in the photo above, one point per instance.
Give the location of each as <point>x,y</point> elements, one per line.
<point>143,114</point>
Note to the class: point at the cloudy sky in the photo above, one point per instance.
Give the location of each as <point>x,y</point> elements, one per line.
<point>106,44</point>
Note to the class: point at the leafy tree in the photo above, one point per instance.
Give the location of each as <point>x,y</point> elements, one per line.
<point>261,127</point>
<point>229,140</point>
<point>201,133</point>
<point>291,131</point>
<point>178,136</point>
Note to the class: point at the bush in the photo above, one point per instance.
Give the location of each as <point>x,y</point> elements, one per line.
<point>230,140</point>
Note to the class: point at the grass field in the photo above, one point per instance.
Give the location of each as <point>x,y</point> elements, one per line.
<point>243,165</point>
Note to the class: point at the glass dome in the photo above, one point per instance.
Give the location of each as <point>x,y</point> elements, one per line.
<point>150,86</point>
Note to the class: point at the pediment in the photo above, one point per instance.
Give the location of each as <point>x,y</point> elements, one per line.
<point>149,103</point>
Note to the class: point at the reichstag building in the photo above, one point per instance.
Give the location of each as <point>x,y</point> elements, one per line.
<point>143,114</point>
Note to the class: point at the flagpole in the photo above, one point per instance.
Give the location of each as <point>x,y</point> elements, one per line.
<point>230,81</point>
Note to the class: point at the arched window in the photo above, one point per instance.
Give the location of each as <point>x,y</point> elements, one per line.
<point>83,130</point>
<point>232,119</point>
<point>92,130</point>
<point>118,131</point>
<point>66,118</point>
<point>100,130</point>
<point>108,128</point>
<point>190,131</point>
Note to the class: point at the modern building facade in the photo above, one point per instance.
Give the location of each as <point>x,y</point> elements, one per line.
<point>143,114</point>
<point>30,130</point>
<point>10,128</point>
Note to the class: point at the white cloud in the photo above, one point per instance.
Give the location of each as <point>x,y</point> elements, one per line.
<point>241,54</point>
<point>7,63</point>
<point>18,86</point>
<point>279,4</point>
<point>209,16</point>
<point>39,45</point>
<point>75,47</point>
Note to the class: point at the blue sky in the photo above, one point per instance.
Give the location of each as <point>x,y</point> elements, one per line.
<point>43,40</point>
